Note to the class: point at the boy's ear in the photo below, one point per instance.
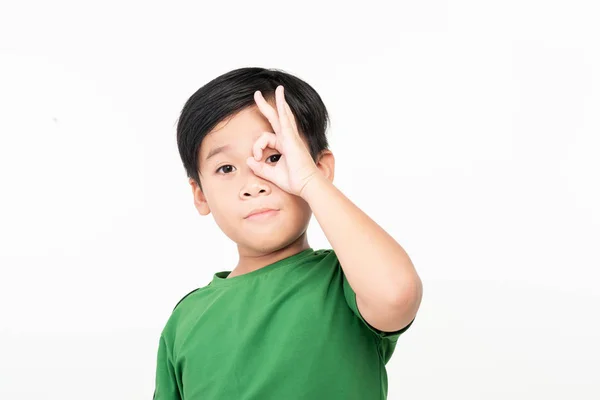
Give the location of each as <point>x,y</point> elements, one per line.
<point>199,198</point>
<point>326,164</point>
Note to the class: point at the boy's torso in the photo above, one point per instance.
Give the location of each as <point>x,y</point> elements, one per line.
<point>285,333</point>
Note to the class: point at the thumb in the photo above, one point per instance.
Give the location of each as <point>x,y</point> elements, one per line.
<point>261,169</point>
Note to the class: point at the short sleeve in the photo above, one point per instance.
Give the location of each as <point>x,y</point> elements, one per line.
<point>166,387</point>
<point>385,340</point>
<point>351,300</point>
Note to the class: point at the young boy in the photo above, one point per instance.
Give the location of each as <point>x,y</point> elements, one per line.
<point>288,322</point>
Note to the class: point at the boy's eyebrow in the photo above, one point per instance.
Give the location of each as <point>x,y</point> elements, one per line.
<point>217,150</point>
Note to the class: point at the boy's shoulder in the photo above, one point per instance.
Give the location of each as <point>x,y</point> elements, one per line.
<point>195,296</point>
<point>198,294</point>
<point>185,297</point>
<point>185,306</point>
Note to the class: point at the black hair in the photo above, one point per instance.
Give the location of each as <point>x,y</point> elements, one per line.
<point>233,92</point>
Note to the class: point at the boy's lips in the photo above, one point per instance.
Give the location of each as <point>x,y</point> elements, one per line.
<point>261,212</point>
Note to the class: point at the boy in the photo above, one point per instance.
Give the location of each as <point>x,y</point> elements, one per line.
<point>288,322</point>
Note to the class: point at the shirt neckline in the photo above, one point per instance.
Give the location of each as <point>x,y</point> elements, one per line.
<point>220,278</point>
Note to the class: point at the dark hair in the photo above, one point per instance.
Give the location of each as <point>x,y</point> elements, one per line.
<point>231,93</point>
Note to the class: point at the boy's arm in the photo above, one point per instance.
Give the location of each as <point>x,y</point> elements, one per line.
<point>387,286</point>
<point>388,289</point>
<point>165,385</point>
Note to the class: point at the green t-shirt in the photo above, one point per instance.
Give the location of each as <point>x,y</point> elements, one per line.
<point>290,330</point>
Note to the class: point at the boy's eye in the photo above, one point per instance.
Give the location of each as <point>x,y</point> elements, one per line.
<point>229,168</point>
<point>224,167</point>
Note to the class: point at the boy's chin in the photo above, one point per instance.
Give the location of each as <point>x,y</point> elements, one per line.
<point>266,243</point>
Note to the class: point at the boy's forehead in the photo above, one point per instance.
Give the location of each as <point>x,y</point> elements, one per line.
<point>241,129</point>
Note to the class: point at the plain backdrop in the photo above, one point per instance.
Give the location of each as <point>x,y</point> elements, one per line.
<point>469,130</point>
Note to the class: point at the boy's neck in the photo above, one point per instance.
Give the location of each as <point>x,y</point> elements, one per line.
<point>251,261</point>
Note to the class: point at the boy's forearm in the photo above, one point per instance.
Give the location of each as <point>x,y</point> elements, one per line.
<point>376,266</point>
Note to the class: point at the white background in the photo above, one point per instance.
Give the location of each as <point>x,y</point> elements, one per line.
<point>467,129</point>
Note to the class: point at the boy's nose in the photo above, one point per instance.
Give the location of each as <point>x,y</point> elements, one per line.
<point>255,188</point>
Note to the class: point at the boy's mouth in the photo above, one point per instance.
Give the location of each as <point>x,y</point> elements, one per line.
<point>261,213</point>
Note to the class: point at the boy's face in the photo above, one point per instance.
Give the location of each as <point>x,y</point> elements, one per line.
<point>231,190</point>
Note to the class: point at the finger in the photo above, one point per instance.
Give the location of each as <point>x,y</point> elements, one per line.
<point>284,121</point>
<point>291,117</point>
<point>267,139</point>
<point>261,169</point>
<point>267,110</point>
